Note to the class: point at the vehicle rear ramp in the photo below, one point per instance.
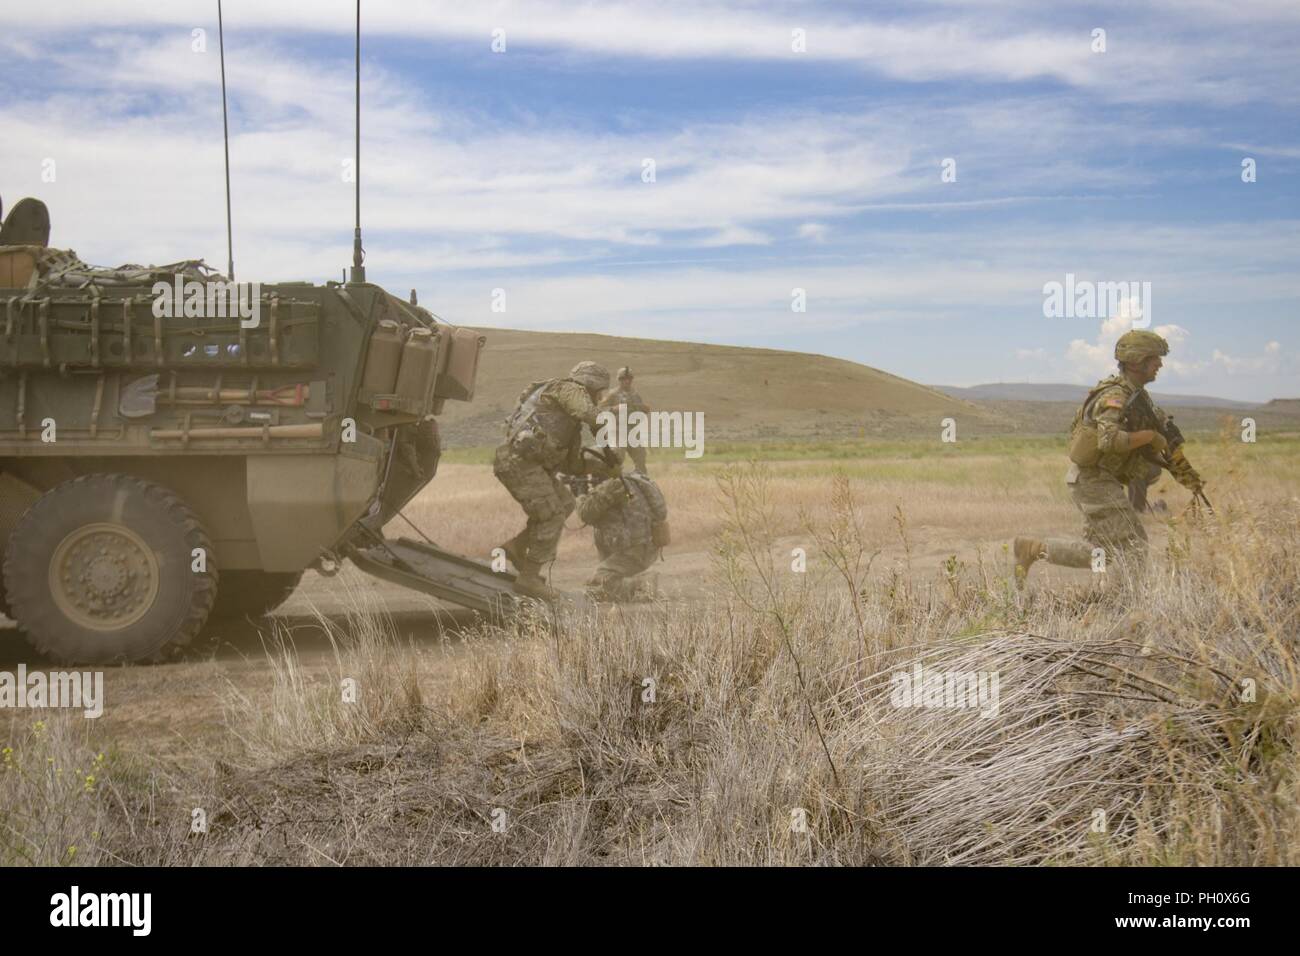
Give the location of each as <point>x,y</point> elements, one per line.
<point>440,574</point>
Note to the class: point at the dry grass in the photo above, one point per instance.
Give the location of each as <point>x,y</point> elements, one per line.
<point>1148,723</point>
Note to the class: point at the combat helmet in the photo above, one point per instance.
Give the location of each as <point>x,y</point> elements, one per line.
<point>590,375</point>
<point>1139,344</point>
<point>624,372</point>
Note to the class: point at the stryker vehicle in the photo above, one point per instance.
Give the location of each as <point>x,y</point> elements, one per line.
<point>164,458</point>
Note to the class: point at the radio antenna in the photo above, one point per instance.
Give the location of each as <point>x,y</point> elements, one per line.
<point>225,128</point>
<point>358,254</point>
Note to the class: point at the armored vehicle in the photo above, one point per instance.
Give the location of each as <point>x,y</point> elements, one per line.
<point>175,446</point>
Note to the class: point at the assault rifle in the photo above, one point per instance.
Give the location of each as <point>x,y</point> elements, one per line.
<point>1139,415</point>
<point>583,484</point>
<point>578,485</point>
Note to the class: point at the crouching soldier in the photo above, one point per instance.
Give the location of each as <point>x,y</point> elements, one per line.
<point>630,519</point>
<point>543,437</point>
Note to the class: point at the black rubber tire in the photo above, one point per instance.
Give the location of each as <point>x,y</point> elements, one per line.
<point>167,527</point>
<point>253,593</point>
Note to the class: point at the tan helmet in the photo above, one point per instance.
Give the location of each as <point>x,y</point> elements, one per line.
<point>1140,344</point>
<point>625,372</point>
<point>590,375</point>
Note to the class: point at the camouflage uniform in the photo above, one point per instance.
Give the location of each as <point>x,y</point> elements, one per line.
<point>1110,521</point>
<point>1138,488</point>
<point>1103,461</point>
<point>632,399</point>
<point>545,437</point>
<point>622,511</point>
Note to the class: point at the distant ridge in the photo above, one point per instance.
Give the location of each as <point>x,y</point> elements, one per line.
<point>1035,392</point>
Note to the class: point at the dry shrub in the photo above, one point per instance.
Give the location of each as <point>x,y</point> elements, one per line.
<point>52,780</point>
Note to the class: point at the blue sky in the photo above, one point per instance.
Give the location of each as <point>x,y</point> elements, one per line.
<point>775,169</point>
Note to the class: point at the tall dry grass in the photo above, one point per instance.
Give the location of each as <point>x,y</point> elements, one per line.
<point>1143,722</point>
<point>1147,723</point>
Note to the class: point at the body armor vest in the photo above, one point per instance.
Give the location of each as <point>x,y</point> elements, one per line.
<point>538,430</point>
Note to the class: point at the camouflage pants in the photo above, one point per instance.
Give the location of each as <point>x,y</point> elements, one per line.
<point>613,578</point>
<point>544,498</point>
<point>1109,522</point>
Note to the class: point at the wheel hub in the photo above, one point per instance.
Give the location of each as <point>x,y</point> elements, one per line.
<point>104,577</point>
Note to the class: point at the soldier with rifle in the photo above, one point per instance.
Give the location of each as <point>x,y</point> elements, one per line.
<point>1118,434</point>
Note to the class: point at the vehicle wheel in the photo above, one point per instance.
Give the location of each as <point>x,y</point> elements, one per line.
<point>99,570</point>
<point>253,593</point>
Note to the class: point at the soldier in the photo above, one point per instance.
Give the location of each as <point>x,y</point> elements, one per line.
<point>629,517</point>
<point>626,395</point>
<point>543,436</point>
<point>1106,453</point>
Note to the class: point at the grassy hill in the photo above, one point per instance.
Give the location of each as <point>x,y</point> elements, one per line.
<point>744,393</point>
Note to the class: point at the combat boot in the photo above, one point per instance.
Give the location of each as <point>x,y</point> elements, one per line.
<point>1026,551</point>
<point>530,581</point>
<point>516,549</point>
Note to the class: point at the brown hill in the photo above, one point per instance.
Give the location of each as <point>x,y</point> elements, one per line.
<point>744,393</point>
<point>748,393</point>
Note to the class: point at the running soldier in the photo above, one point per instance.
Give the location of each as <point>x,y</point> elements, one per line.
<point>1117,435</point>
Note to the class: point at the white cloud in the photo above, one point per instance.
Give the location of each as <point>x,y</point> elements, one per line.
<point>1004,43</point>
<point>1267,364</point>
<point>1097,358</point>
<point>148,121</point>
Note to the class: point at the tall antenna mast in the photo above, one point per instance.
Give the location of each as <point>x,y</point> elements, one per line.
<point>225,128</point>
<point>358,254</point>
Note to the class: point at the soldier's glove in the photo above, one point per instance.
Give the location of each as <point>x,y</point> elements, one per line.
<point>1159,444</point>
<point>1184,473</point>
